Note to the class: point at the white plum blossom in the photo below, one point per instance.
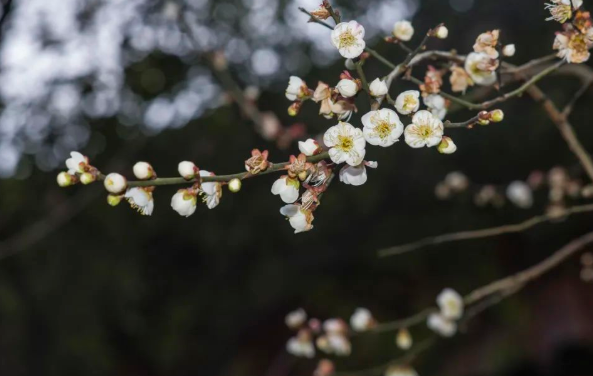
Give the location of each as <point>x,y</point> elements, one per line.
<point>334,343</point>
<point>335,326</point>
<point>187,170</point>
<point>348,38</point>
<point>441,325</point>
<point>211,191</point>
<point>309,147</point>
<point>442,32</point>
<point>520,194</point>
<point>397,370</point>
<point>378,88</point>
<point>76,163</point>
<point>346,143</point>
<point>347,88</point>
<point>301,345</point>
<point>451,304</point>
<point>184,202</point>
<point>296,318</point>
<point>425,130</point>
<point>561,10</point>
<point>297,89</point>
<point>403,339</point>
<point>479,67</point>
<point>287,189</point>
<point>143,170</point>
<point>382,127</point>
<point>141,200</point>
<point>300,219</point>
<point>361,320</point>
<point>572,46</point>
<point>115,183</point>
<point>437,105</point>
<point>356,175</point>
<point>403,30</point>
<point>509,50</point>
<point>408,102</point>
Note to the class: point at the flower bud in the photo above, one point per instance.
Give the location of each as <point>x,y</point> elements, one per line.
<point>442,32</point>
<point>497,116</point>
<point>403,339</point>
<point>235,185</point>
<point>509,50</point>
<point>483,122</point>
<point>309,147</point>
<point>64,179</point>
<point>114,200</point>
<point>349,64</point>
<point>87,178</point>
<point>115,183</point>
<point>378,88</point>
<point>143,171</point>
<point>293,109</point>
<point>188,170</point>
<point>347,88</point>
<point>447,146</point>
<point>403,30</point>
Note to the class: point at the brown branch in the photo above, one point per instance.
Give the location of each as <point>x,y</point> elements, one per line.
<point>534,272</point>
<point>482,233</point>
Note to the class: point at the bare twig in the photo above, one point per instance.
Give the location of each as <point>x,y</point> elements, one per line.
<point>483,233</point>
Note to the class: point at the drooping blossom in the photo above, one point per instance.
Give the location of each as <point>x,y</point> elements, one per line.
<point>211,191</point>
<point>184,202</point>
<point>451,304</point>
<point>441,325</point>
<point>378,88</point>
<point>437,105</point>
<point>140,199</point>
<point>356,175</point>
<point>287,188</point>
<point>77,163</point>
<point>309,147</point>
<point>460,80</point>
<point>447,146</point>
<point>297,89</point>
<point>300,219</point>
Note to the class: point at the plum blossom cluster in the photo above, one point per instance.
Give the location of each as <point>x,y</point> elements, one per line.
<point>556,186</point>
<point>576,39</point>
<point>450,305</point>
<point>330,336</point>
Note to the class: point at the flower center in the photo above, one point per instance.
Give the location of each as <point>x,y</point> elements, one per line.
<point>410,102</point>
<point>383,129</point>
<point>347,39</point>
<point>345,143</point>
<point>577,43</point>
<point>560,13</point>
<point>424,131</point>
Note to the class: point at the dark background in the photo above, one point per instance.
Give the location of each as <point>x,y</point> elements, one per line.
<point>97,290</point>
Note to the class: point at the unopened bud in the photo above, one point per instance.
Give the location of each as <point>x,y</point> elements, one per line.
<point>188,170</point>
<point>143,171</point>
<point>87,178</point>
<point>442,32</point>
<point>349,64</point>
<point>483,122</point>
<point>114,200</point>
<point>64,179</point>
<point>447,146</point>
<point>497,116</point>
<point>235,185</point>
<point>509,50</point>
<point>294,108</point>
<point>403,339</point>
<point>115,183</point>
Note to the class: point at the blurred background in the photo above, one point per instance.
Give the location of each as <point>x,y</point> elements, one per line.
<point>90,289</point>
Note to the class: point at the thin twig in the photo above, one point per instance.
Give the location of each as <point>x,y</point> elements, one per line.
<point>530,274</point>
<point>482,233</point>
<point>570,105</point>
